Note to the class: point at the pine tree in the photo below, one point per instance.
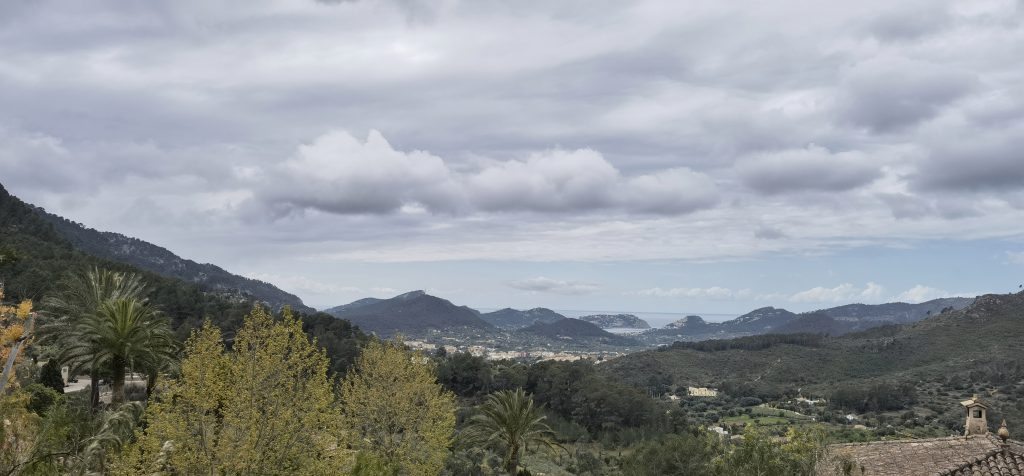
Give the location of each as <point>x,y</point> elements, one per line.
<point>267,407</point>
<point>398,414</point>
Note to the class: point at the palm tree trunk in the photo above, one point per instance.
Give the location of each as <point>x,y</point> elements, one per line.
<point>151,383</point>
<point>512,465</point>
<point>94,390</point>
<point>118,366</point>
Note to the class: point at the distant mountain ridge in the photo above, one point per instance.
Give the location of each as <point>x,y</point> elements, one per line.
<point>575,329</point>
<point>613,321</point>
<point>960,351</point>
<point>414,311</point>
<point>153,258</point>
<point>509,318</point>
<point>833,321</point>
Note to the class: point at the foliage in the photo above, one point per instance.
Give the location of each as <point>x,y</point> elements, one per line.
<point>15,330</point>
<point>124,334</point>
<point>758,342</point>
<point>50,376</point>
<point>878,397</point>
<point>74,311</point>
<point>576,391</point>
<point>465,374</point>
<point>509,422</point>
<point>758,454</point>
<point>673,454</point>
<point>41,398</point>
<point>396,411</point>
<point>238,412</point>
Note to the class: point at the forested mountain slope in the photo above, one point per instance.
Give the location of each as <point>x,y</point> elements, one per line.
<point>36,257</point>
<point>150,257</point>
<point>978,348</point>
<point>410,312</point>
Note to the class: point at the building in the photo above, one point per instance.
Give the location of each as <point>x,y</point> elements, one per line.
<point>701,392</point>
<point>978,452</point>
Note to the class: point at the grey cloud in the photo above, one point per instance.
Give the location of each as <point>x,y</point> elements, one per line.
<point>673,101</point>
<point>890,94</point>
<point>905,21</point>
<point>542,284</point>
<point>905,206</point>
<point>766,232</point>
<point>812,168</point>
<point>982,160</point>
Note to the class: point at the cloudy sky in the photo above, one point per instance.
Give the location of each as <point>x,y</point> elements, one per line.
<point>699,156</point>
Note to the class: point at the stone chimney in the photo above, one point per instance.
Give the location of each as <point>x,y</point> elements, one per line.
<point>977,417</point>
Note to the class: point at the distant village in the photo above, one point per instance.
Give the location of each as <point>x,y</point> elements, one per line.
<point>525,354</point>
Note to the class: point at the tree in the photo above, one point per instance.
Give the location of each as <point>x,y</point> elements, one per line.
<point>123,334</point>
<point>758,455</point>
<point>684,454</point>
<point>50,376</point>
<point>265,408</point>
<point>76,303</point>
<point>511,422</point>
<point>396,410</point>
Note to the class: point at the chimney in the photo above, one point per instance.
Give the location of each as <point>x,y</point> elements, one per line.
<point>1004,435</point>
<point>977,417</point>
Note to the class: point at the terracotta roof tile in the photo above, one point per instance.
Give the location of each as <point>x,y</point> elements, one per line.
<point>955,456</point>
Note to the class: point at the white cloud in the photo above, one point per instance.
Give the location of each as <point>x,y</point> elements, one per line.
<point>714,292</point>
<point>305,286</point>
<point>338,173</point>
<point>845,292</point>
<point>542,284</point>
<point>921,293</point>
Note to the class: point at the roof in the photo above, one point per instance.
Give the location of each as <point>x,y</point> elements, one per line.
<point>974,401</point>
<point>982,455</point>
<point>998,463</point>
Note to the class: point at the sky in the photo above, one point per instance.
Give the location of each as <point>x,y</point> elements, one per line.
<point>657,156</point>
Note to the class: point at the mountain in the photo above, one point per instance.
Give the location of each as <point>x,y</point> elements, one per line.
<point>758,321</point>
<point>816,323</point>
<point>150,257</point>
<point>945,356</point>
<point>352,305</point>
<point>411,312</point>
<point>690,324</point>
<point>575,329</point>
<point>833,321</point>
<point>612,321</point>
<point>509,318</point>
<point>897,312</point>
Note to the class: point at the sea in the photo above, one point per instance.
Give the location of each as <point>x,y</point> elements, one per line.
<point>655,319</point>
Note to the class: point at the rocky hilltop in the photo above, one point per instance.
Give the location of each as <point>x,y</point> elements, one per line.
<point>611,321</point>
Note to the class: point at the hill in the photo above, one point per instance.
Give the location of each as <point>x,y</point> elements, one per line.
<point>896,312</point>
<point>411,312</point>
<point>509,318</point>
<point>833,321</point>
<point>948,356</point>
<point>575,329</point>
<point>612,321</point>
<point>153,258</point>
<point>37,257</point>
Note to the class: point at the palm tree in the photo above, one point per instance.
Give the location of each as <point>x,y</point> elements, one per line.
<point>123,334</point>
<point>510,421</point>
<point>79,300</point>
